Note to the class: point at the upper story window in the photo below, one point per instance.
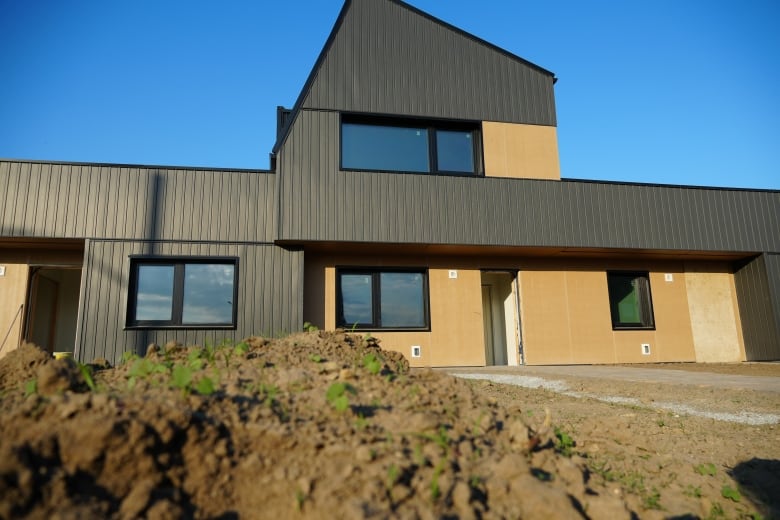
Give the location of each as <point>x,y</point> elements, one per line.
<point>182,292</point>
<point>390,145</point>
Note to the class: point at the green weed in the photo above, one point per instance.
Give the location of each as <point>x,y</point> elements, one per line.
<point>86,374</point>
<point>181,377</point>
<point>392,476</point>
<point>310,327</point>
<point>435,488</point>
<point>706,469</point>
<point>652,500</point>
<point>30,387</point>
<point>716,511</point>
<point>315,357</point>
<point>128,356</point>
<point>205,386</point>
<point>337,395</point>
<point>692,491</point>
<point>564,444</point>
<point>372,363</point>
<point>732,494</point>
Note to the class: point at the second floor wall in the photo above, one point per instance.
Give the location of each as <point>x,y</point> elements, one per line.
<point>320,201</point>
<point>60,200</point>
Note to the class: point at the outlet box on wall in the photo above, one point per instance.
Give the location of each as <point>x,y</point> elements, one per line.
<point>645,349</point>
<point>416,351</point>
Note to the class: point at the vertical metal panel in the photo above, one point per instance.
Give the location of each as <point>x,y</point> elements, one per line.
<point>758,295</point>
<point>389,58</point>
<point>50,200</point>
<point>270,297</point>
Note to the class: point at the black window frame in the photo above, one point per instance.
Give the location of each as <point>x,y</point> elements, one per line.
<point>431,126</point>
<point>647,314</point>
<point>178,263</point>
<point>376,310</point>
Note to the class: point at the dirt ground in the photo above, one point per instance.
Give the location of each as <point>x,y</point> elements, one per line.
<point>666,463</point>
<point>327,424</point>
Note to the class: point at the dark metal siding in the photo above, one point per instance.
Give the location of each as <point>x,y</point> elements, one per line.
<point>99,201</point>
<point>270,297</point>
<point>319,202</point>
<point>758,294</point>
<point>388,58</point>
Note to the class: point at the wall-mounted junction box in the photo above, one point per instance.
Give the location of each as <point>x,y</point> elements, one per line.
<point>669,277</point>
<point>416,351</point>
<point>645,349</point>
<point>453,273</point>
<point>2,270</point>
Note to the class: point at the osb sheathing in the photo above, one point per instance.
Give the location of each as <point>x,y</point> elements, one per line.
<point>520,151</point>
<point>13,288</point>
<point>564,306</point>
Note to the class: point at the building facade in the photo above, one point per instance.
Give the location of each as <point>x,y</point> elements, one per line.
<point>414,193</point>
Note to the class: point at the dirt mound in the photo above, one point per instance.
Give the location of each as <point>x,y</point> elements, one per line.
<point>316,424</point>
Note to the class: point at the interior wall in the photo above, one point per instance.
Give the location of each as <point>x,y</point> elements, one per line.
<point>504,311</point>
<point>712,302</point>
<point>13,290</point>
<point>67,303</point>
<point>520,151</point>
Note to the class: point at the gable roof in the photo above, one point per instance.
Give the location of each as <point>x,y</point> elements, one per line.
<point>387,57</point>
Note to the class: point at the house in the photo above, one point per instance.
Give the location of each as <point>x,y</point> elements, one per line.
<point>415,193</point>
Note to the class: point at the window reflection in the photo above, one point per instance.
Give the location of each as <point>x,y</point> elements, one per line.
<point>391,148</point>
<point>356,298</point>
<point>402,300</point>
<point>382,299</point>
<point>208,293</point>
<point>155,292</point>
<point>454,151</point>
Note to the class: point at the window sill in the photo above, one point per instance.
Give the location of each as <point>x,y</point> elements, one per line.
<point>402,172</point>
<point>180,327</point>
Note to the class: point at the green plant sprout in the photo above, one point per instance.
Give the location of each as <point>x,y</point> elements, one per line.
<point>337,395</point>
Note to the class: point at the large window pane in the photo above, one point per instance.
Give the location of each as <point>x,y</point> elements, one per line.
<point>455,151</point>
<point>154,300</point>
<point>208,293</point>
<point>403,300</point>
<point>391,148</point>
<point>356,299</point>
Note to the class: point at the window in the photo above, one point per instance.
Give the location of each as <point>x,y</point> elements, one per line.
<point>630,301</point>
<point>382,299</point>
<point>408,146</point>
<point>182,292</point>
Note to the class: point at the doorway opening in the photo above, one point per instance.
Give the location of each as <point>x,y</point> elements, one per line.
<point>501,318</point>
<point>52,307</point>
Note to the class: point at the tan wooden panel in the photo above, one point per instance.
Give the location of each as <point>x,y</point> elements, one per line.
<point>545,318</point>
<point>520,151</point>
<point>674,338</point>
<point>714,315</point>
<point>13,288</point>
<point>589,319</point>
<point>456,318</point>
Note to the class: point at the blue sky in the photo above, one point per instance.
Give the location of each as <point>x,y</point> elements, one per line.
<point>669,91</point>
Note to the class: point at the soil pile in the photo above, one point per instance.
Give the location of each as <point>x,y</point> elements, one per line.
<point>312,425</point>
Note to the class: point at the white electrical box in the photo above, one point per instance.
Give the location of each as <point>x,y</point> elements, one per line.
<point>2,270</point>
<point>669,277</point>
<point>645,349</point>
<point>416,351</point>
<point>453,273</point>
